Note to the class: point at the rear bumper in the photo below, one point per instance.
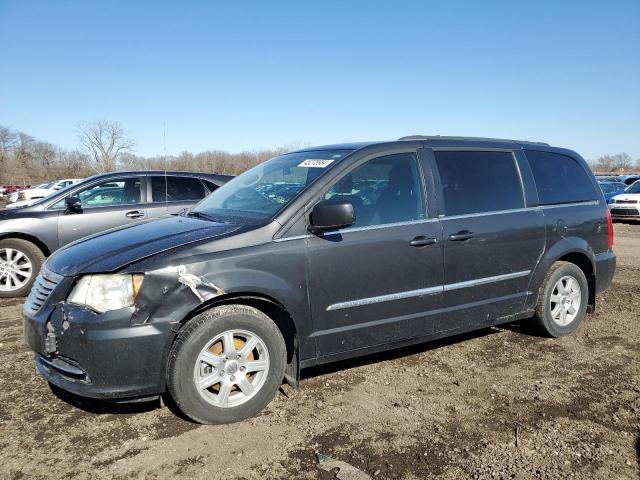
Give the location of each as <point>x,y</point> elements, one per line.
<point>605,269</point>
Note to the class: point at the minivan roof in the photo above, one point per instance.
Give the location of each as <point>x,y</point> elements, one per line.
<point>444,141</point>
<point>470,139</point>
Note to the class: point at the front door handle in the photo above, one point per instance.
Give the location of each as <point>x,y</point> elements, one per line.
<point>422,241</point>
<point>134,214</point>
<point>461,236</point>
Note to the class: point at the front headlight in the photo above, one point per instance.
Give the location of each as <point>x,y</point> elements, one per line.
<point>106,292</point>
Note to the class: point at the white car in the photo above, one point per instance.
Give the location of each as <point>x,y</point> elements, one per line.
<point>13,197</point>
<point>627,204</point>
<point>42,191</point>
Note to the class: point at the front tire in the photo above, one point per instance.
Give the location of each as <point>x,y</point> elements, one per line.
<point>226,365</point>
<point>562,299</point>
<point>20,262</point>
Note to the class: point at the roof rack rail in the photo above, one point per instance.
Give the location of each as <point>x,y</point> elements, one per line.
<point>481,139</point>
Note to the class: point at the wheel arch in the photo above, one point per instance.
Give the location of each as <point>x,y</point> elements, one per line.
<point>274,310</point>
<point>573,250</point>
<point>29,238</point>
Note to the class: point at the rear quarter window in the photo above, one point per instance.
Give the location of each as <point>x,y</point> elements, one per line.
<point>560,178</point>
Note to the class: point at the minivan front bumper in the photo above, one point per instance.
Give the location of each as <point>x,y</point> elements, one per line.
<point>98,355</point>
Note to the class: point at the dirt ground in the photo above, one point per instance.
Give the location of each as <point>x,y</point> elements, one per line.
<point>447,409</point>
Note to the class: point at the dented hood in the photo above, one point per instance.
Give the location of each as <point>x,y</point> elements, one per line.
<point>111,250</point>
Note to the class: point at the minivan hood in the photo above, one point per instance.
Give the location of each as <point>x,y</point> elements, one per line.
<point>111,250</point>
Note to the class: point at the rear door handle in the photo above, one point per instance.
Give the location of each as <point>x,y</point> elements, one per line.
<point>422,241</point>
<point>134,214</point>
<point>461,236</point>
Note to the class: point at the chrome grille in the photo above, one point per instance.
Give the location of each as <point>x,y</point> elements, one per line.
<point>42,288</point>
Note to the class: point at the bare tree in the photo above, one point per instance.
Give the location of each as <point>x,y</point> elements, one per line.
<point>45,154</point>
<point>23,151</point>
<point>7,142</point>
<point>613,163</point>
<point>105,141</point>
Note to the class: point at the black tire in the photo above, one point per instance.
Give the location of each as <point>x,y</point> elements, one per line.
<point>35,256</point>
<point>543,313</point>
<point>194,336</point>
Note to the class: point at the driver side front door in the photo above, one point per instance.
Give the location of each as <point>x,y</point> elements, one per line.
<point>108,204</point>
<point>379,281</point>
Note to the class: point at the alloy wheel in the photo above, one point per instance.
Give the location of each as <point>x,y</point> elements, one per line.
<point>16,269</point>
<point>231,368</point>
<point>565,300</point>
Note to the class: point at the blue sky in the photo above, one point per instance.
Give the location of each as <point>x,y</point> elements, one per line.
<point>249,75</point>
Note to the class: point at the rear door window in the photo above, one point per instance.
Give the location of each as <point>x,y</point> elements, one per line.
<point>479,181</point>
<point>559,178</point>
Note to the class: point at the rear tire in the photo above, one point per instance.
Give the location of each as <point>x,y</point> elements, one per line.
<point>562,299</point>
<point>226,365</point>
<point>20,262</point>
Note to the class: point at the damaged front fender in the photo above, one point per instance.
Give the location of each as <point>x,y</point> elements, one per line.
<point>201,287</point>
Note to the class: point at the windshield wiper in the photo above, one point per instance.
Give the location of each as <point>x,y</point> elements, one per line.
<point>201,215</point>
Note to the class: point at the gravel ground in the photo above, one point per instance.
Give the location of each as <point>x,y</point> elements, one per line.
<point>446,409</point>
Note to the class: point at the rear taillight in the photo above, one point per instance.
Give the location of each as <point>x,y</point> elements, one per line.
<point>609,230</point>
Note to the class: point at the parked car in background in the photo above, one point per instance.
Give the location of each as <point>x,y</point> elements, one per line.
<point>11,191</point>
<point>611,189</point>
<point>626,206</point>
<point>630,179</point>
<point>45,189</point>
<point>8,189</point>
<point>609,178</point>
<point>320,255</point>
<point>29,234</point>
<point>13,196</point>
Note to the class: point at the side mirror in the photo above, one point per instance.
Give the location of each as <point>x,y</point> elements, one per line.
<point>331,214</point>
<point>74,204</point>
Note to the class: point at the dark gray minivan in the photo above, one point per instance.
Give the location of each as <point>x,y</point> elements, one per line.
<point>319,255</point>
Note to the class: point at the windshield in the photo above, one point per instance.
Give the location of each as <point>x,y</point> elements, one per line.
<point>266,189</point>
<point>633,188</point>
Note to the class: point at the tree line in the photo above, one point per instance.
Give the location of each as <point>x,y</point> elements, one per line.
<point>620,163</point>
<point>105,146</point>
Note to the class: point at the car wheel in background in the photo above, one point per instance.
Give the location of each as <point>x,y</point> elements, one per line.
<point>20,262</point>
<point>562,299</point>
<point>226,364</point>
